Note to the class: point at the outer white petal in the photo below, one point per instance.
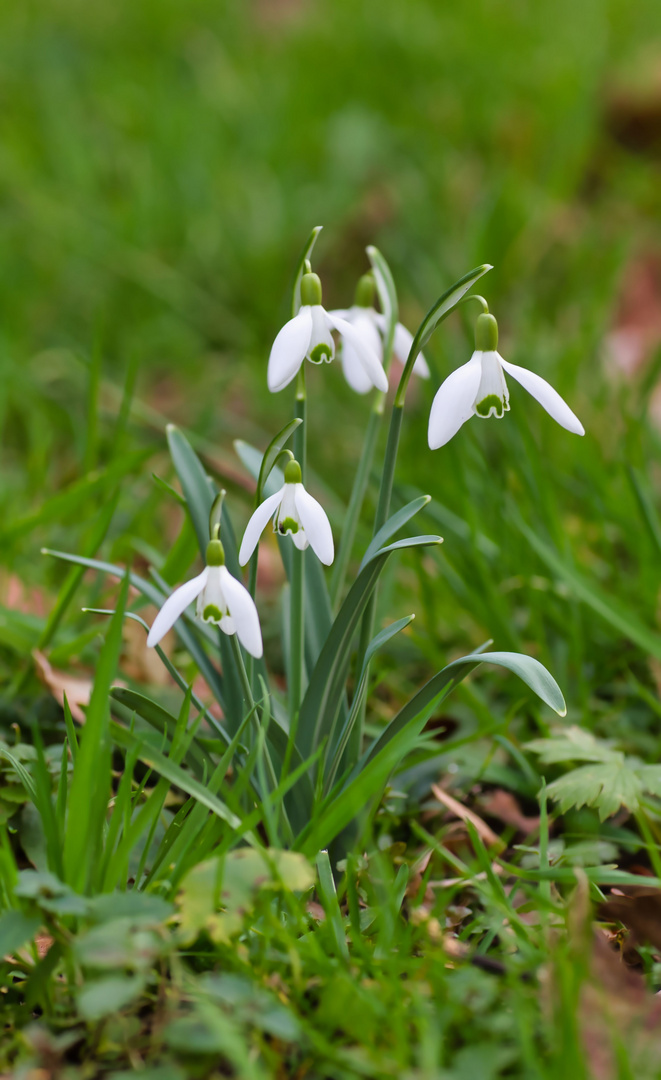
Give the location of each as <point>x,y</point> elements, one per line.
<point>547,397</point>
<point>174,606</point>
<point>316,525</point>
<point>368,359</point>
<point>341,313</point>
<point>257,524</point>
<point>243,612</point>
<point>402,346</point>
<point>354,370</point>
<point>289,349</point>
<point>453,403</point>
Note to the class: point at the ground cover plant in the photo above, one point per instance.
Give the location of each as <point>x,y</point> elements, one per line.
<point>167,906</point>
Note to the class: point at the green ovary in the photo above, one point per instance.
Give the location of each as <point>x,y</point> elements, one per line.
<point>211,613</point>
<point>491,401</point>
<point>288,525</point>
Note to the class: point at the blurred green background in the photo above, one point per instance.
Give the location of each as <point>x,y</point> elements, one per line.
<point>161,165</point>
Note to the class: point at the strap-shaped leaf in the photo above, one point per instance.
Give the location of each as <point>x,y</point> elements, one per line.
<point>162,721</point>
<point>371,774</point>
<point>337,746</point>
<point>251,459</point>
<point>392,525</point>
<point>300,267</point>
<point>176,775</point>
<point>417,710</point>
<point>327,681</point>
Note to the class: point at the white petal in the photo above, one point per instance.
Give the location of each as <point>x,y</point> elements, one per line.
<point>257,524</point>
<point>316,525</point>
<point>289,349</point>
<point>244,613</point>
<point>492,397</point>
<point>174,606</point>
<point>354,370</point>
<point>342,313</point>
<point>547,397</point>
<point>402,346</point>
<point>453,403</point>
<point>367,357</point>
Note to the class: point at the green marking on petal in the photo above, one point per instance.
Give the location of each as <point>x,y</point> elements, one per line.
<point>288,525</point>
<point>491,403</point>
<point>320,353</point>
<point>211,613</point>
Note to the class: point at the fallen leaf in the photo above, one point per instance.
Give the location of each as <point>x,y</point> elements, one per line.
<point>77,689</point>
<point>502,805</point>
<point>639,909</point>
<point>486,834</point>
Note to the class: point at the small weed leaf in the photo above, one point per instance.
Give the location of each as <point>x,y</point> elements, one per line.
<point>610,780</point>
<point>232,883</point>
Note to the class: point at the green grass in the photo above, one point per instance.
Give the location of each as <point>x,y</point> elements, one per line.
<point>160,166</point>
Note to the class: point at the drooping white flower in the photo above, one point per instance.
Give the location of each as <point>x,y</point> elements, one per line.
<point>478,388</point>
<point>372,327</point>
<point>308,336</point>
<point>295,513</point>
<point>221,600</point>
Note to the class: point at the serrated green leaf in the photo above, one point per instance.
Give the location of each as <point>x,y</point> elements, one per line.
<point>606,786</point>
<point>574,744</point>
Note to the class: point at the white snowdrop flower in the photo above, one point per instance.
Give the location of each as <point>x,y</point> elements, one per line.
<point>478,388</point>
<point>371,326</point>
<point>221,599</point>
<point>308,336</point>
<point>295,513</point>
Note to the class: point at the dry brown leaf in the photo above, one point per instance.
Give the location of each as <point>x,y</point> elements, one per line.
<point>502,805</point>
<point>639,909</point>
<point>486,834</point>
<point>59,683</point>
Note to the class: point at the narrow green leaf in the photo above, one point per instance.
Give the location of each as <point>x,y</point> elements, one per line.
<point>90,783</point>
<point>327,681</point>
<point>393,525</point>
<point>610,609</point>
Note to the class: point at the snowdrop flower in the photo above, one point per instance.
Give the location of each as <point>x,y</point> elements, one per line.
<point>371,326</point>
<point>295,513</point>
<point>221,599</point>
<point>478,388</point>
<point>308,336</point>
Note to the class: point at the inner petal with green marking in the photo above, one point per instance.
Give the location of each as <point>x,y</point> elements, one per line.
<point>492,398</point>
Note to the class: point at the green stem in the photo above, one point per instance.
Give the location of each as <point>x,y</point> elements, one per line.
<point>241,669</point>
<point>353,510</point>
<point>297,583</point>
